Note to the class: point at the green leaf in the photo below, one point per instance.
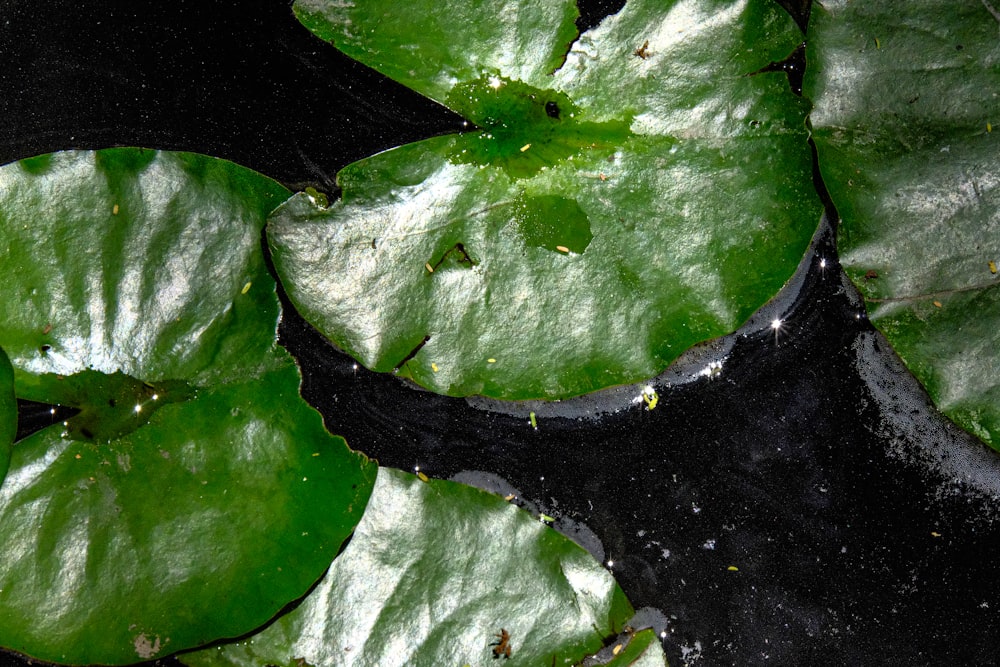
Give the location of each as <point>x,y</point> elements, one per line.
<point>435,571</point>
<point>646,196</point>
<point>196,493</point>
<point>8,412</point>
<point>905,108</point>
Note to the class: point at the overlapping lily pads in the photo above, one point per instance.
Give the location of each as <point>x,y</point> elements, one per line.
<point>906,104</point>
<point>8,412</point>
<point>616,205</point>
<point>436,574</point>
<point>196,493</point>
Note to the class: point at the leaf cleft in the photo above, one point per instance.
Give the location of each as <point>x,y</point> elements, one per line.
<point>793,65</point>
<point>112,406</point>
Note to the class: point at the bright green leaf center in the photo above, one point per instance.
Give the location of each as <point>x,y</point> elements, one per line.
<point>525,129</point>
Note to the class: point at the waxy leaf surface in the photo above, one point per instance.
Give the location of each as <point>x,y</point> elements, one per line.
<point>196,493</point>
<point>616,204</point>
<point>906,104</point>
<point>434,573</point>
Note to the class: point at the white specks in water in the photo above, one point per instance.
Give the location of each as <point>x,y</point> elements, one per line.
<point>713,369</point>
<point>709,544</point>
<point>690,654</point>
<point>695,509</point>
<point>496,83</point>
<point>137,408</point>
<point>610,563</point>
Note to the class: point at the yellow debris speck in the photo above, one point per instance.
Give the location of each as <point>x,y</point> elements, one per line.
<point>422,477</point>
<point>509,497</point>
<point>315,453</point>
<point>114,209</point>
<point>246,288</point>
<point>525,147</point>
<point>937,304</point>
<point>733,568</point>
<point>935,534</point>
<point>616,650</point>
<point>993,266</point>
<point>533,420</point>
<point>562,248</point>
<point>430,269</point>
<point>434,367</point>
<point>77,456</point>
<point>878,44</point>
<point>650,397</point>
<point>491,360</point>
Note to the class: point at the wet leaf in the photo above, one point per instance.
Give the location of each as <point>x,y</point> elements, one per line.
<point>611,210</point>
<point>905,108</point>
<point>434,573</point>
<point>8,412</point>
<point>181,504</point>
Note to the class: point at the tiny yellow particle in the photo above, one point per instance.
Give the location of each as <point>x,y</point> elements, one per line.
<point>993,266</point>
<point>602,177</point>
<point>422,477</point>
<point>937,303</point>
<point>935,534</point>
<point>562,248</point>
<point>878,44</point>
<point>733,568</point>
<point>616,650</point>
<point>434,367</point>
<point>533,420</point>
<point>430,269</point>
<point>525,147</point>
<point>246,288</point>
<point>114,209</point>
<point>509,497</point>
<point>650,397</point>
<point>545,518</point>
<point>491,360</point>
<point>78,456</point>
<point>315,453</point>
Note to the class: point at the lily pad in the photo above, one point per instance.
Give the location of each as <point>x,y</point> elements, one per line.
<point>438,573</point>
<point>905,104</point>
<point>195,493</point>
<point>8,412</point>
<point>616,205</point>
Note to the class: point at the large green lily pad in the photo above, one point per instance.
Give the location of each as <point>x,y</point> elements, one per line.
<point>617,205</point>
<point>196,493</point>
<point>434,573</point>
<point>905,103</point>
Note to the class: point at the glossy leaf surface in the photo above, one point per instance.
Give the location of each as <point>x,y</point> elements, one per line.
<point>645,196</point>
<point>195,493</point>
<point>906,104</point>
<point>8,412</point>
<point>435,571</point>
